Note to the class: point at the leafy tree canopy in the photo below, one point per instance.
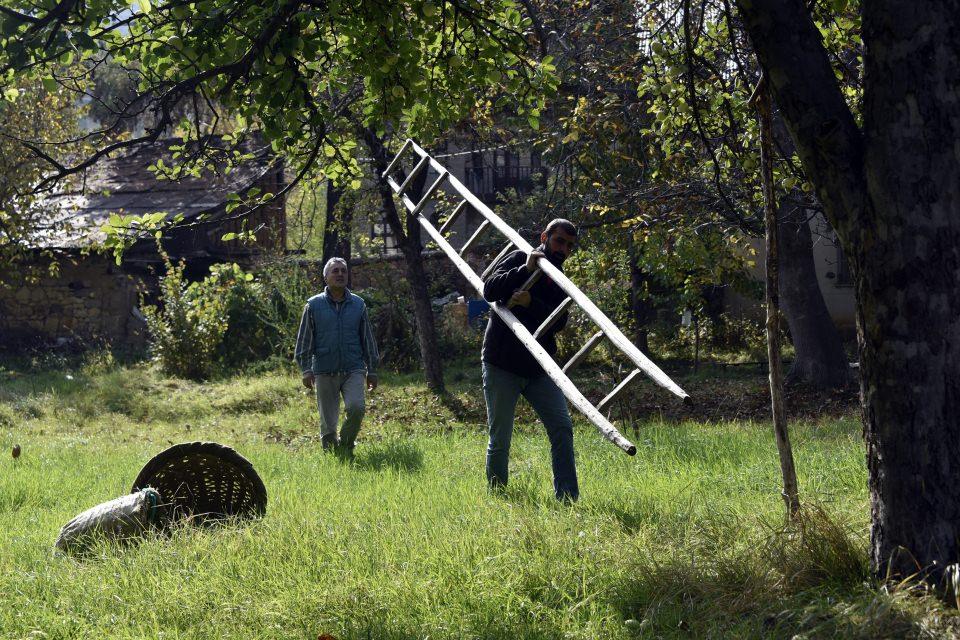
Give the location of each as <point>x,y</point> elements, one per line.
<point>304,73</point>
<point>27,222</point>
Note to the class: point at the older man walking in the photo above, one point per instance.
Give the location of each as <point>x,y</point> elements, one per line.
<point>338,356</point>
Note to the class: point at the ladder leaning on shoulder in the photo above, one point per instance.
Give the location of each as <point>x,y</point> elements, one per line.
<point>574,295</point>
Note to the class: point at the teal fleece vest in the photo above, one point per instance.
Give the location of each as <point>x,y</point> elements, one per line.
<point>336,340</point>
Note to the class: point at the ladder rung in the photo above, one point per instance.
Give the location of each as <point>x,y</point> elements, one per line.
<point>532,280</point>
<point>585,350</point>
<point>476,236</point>
<point>453,216</point>
<point>617,391</point>
<point>429,194</point>
<point>493,265</point>
<point>553,317</point>
<point>424,161</point>
<point>396,159</point>
<point>393,184</point>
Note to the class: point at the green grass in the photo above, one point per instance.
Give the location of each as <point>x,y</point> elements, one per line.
<point>683,540</point>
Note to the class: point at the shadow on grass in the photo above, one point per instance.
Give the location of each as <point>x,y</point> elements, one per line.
<point>807,580</point>
<point>467,412</point>
<point>395,454</point>
<point>530,494</point>
<point>631,519</point>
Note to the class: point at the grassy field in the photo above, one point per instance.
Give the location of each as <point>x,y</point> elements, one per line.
<point>685,540</point>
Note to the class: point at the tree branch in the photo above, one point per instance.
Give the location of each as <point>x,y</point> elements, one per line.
<point>803,83</point>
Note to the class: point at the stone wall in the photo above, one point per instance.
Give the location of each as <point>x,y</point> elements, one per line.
<point>93,301</point>
<point>90,301</point>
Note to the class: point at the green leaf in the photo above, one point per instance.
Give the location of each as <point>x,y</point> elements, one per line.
<point>84,41</point>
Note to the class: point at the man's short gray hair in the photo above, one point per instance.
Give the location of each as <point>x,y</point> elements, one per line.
<point>330,263</point>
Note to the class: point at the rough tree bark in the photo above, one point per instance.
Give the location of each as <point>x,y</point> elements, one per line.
<point>819,359</point>
<point>892,193</point>
<point>408,239</point>
<point>336,228</point>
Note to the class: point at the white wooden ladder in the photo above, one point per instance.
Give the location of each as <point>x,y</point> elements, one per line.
<point>558,374</point>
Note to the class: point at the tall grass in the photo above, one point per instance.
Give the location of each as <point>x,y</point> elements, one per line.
<point>685,540</point>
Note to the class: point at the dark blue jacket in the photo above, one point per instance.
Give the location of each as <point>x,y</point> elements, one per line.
<point>501,347</point>
<point>336,340</point>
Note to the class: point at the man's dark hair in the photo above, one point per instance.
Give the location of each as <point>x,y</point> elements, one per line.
<point>561,223</point>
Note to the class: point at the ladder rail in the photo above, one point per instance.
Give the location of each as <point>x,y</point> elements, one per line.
<point>612,332</point>
<point>493,264</point>
<point>551,368</point>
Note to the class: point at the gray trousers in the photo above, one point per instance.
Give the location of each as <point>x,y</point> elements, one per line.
<point>329,389</point>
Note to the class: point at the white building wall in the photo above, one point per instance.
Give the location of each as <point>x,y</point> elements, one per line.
<point>838,294</point>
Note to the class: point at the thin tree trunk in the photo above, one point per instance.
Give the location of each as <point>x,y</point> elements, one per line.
<point>790,492</point>
<point>413,262</point>
<point>819,360</point>
<point>640,307</point>
<point>336,228</point>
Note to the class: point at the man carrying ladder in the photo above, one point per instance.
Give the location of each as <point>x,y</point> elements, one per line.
<point>510,370</point>
<point>517,351</point>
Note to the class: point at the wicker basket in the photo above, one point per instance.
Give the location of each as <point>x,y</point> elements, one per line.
<point>204,481</point>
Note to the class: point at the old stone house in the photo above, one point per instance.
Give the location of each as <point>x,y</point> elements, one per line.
<point>90,298</point>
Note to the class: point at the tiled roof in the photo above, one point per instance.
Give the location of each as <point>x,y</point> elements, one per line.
<point>124,185</point>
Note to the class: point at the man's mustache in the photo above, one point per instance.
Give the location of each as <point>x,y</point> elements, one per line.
<point>555,257</point>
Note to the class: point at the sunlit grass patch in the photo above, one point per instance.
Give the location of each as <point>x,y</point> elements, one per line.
<point>686,539</point>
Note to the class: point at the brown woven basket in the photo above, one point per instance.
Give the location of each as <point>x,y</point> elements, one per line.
<point>203,481</point>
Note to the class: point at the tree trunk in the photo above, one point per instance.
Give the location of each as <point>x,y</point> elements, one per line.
<point>907,275</point>
<point>788,472</point>
<point>819,358</point>
<point>641,310</point>
<point>892,192</point>
<point>413,263</point>
<point>336,229</point>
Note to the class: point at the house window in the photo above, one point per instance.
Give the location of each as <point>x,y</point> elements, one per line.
<point>504,171</point>
<point>381,231</point>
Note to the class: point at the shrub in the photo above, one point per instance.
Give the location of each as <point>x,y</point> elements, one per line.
<point>456,338</point>
<point>187,327</point>
<point>248,337</point>
<point>284,287</point>
<point>391,315</point>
